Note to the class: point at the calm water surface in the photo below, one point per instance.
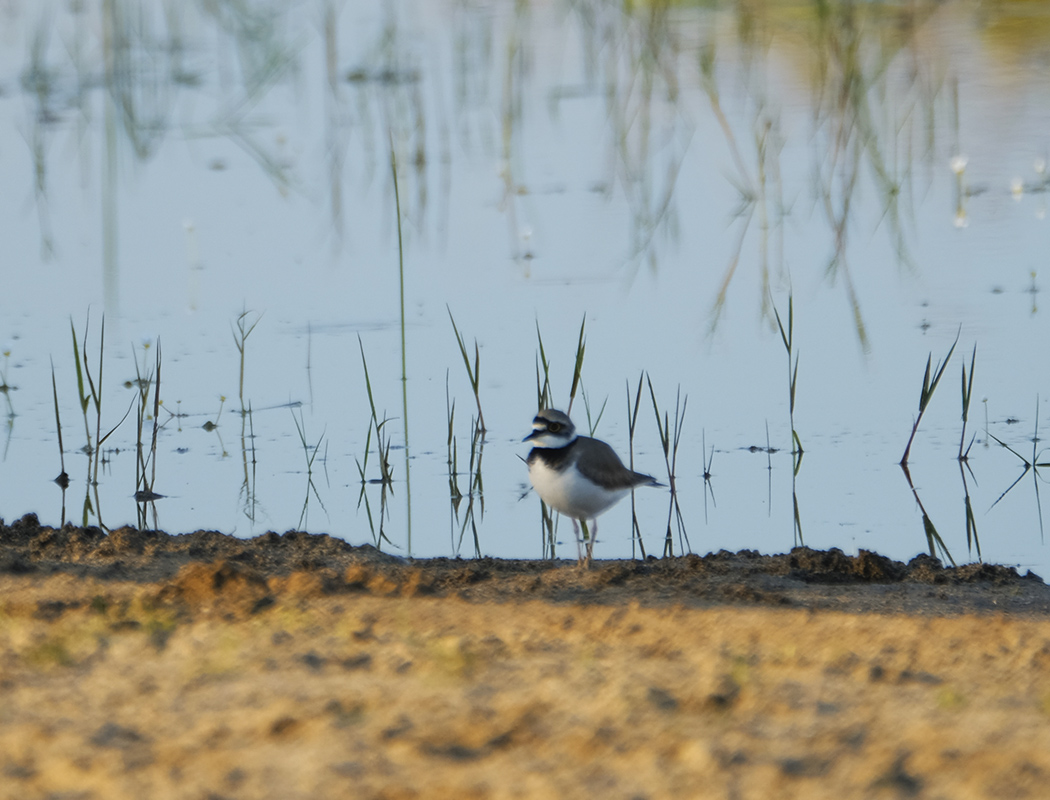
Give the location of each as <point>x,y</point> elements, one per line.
<point>668,174</point>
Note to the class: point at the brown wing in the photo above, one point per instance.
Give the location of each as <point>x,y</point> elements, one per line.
<point>614,474</point>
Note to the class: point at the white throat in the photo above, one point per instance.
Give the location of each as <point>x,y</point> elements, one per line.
<point>553,441</point>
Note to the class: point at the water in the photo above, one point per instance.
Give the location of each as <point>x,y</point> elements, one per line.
<point>669,175</point>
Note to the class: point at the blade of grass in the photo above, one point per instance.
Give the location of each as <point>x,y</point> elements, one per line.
<point>404,347</point>
<point>581,347</point>
<point>928,388</point>
<point>63,478</point>
<point>83,396</point>
<point>473,371</point>
<point>543,390</point>
<point>967,394</point>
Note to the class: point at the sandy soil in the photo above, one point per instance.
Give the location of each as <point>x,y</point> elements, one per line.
<point>143,665</point>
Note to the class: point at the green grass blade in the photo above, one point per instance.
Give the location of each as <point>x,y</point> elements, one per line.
<point>581,346</point>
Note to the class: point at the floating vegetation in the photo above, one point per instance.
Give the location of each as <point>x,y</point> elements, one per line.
<point>210,424</point>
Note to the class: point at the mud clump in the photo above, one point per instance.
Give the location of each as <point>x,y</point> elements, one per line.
<point>238,590</point>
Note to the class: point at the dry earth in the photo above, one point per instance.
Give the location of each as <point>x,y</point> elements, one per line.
<point>143,665</point>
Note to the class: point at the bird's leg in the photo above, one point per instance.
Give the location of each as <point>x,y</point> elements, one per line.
<point>588,543</point>
<point>576,530</point>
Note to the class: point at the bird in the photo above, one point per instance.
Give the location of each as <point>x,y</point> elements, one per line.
<point>575,475</point>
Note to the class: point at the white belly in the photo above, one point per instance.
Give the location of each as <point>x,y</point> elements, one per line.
<point>570,493</point>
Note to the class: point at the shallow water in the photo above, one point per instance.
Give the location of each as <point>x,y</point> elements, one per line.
<point>667,174</point>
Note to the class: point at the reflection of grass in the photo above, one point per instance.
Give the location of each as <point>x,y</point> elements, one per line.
<point>386,474</point>
<point>383,444</point>
<point>1034,466</point>
<point>249,482</point>
<point>5,387</point>
<point>875,101</point>
<point>145,380</point>
<point>788,339</point>
<point>670,439</point>
<point>650,136</point>
<point>476,494</point>
<point>310,454</point>
<point>92,395</point>
<point>453,452</point>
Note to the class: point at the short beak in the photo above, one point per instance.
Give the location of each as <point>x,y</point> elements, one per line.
<point>532,435</point>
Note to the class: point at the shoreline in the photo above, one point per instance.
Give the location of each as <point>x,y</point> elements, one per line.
<point>139,664</point>
<point>801,578</point>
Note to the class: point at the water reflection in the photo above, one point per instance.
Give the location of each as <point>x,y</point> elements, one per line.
<point>1033,466</point>
<point>743,156</point>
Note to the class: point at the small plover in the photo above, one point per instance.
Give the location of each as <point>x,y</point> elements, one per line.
<point>576,475</point>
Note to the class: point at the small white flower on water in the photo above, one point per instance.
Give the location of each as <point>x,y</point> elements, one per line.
<point>145,341</point>
<point>958,163</point>
<point>526,232</point>
<point>8,347</point>
<point>961,220</point>
<point>1040,166</point>
<point>1017,188</point>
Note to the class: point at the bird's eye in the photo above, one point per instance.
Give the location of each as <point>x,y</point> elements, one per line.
<point>554,427</point>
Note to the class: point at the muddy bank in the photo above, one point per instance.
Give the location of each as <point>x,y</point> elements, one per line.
<point>803,578</point>
<point>138,664</point>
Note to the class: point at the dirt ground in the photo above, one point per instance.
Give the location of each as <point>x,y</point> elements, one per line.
<point>143,665</point>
